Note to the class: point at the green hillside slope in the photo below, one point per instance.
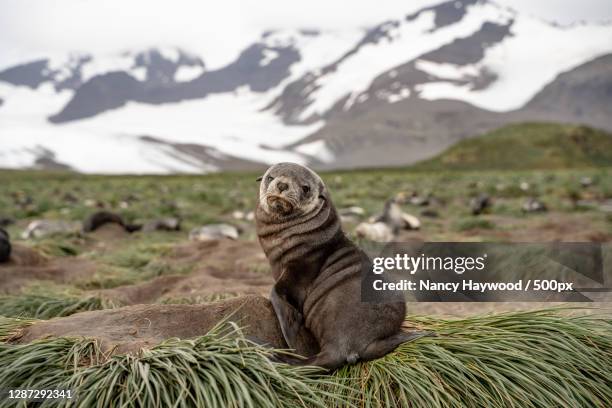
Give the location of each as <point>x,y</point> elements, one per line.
<point>527,146</point>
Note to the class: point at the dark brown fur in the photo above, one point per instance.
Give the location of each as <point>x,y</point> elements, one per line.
<point>317,270</point>
<point>97,219</point>
<point>5,246</point>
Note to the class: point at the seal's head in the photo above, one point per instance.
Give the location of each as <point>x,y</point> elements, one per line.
<point>289,189</point>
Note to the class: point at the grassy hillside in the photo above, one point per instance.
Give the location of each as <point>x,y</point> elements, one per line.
<point>527,146</point>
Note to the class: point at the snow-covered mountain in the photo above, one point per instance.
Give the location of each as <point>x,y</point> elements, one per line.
<point>393,94</point>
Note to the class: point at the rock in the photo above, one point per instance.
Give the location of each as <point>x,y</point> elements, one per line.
<point>377,231</point>
<point>532,204</point>
<point>480,204</point>
<point>5,246</point>
<point>214,231</point>
<point>524,186</point>
<point>163,224</point>
<point>44,228</point>
<point>250,216</point>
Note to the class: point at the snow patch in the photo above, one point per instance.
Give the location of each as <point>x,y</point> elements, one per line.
<point>525,62</point>
<point>111,142</point>
<point>269,56</point>
<point>139,73</point>
<point>100,65</point>
<point>409,40</point>
<point>317,149</point>
<point>186,73</point>
<point>315,50</point>
<point>447,71</point>
<point>172,54</point>
<point>401,95</point>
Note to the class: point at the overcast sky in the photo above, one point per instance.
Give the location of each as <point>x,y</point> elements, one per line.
<point>216,30</point>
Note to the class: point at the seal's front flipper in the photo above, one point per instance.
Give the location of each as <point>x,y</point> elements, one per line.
<point>380,348</point>
<point>289,317</point>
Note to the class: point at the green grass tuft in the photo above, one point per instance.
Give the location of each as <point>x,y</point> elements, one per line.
<point>220,369</point>
<point>525,359</point>
<point>10,326</point>
<point>520,359</point>
<point>39,306</point>
<point>194,300</point>
<point>527,146</point>
<point>467,224</point>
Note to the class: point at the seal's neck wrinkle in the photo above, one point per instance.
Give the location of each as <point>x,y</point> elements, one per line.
<point>286,240</point>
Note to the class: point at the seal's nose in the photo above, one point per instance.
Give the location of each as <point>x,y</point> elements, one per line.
<point>282,186</point>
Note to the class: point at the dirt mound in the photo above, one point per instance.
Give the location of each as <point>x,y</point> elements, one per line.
<point>220,268</point>
<point>27,265</point>
<point>109,233</point>
<point>147,292</point>
<point>24,256</point>
<point>223,267</point>
<point>556,226</point>
<point>128,329</point>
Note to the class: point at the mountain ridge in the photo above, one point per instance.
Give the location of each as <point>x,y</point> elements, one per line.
<point>401,92</point>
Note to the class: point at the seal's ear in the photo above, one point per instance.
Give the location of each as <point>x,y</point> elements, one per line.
<point>322,191</point>
<point>259,178</point>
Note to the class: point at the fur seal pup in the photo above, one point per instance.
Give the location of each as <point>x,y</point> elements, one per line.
<point>99,218</point>
<point>5,246</point>
<point>317,271</point>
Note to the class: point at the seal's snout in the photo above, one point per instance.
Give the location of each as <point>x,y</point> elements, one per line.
<point>281,186</point>
<point>280,205</point>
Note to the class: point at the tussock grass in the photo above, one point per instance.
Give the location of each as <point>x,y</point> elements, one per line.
<point>220,369</point>
<point>10,326</point>
<point>194,300</point>
<point>526,359</point>
<point>41,306</point>
<point>133,263</point>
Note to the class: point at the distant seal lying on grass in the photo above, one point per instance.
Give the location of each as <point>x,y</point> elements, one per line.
<point>5,246</point>
<point>317,270</point>
<point>99,218</point>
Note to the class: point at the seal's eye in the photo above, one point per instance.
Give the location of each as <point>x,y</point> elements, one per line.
<point>305,189</point>
<point>269,179</point>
